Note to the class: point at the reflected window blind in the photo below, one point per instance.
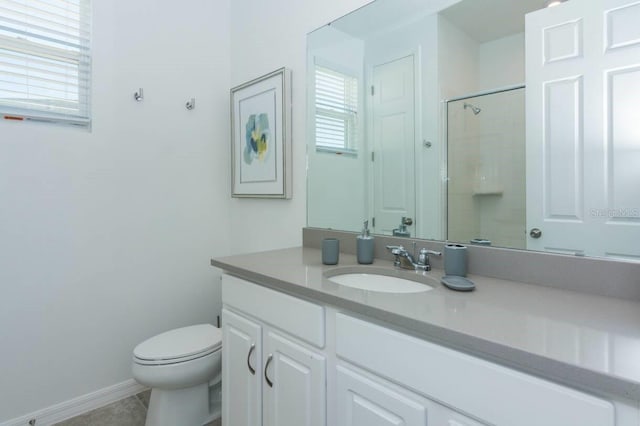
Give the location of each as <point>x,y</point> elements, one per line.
<point>336,115</point>
<point>45,60</point>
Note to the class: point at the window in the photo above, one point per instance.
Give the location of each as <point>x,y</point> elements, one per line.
<point>336,111</point>
<point>45,60</point>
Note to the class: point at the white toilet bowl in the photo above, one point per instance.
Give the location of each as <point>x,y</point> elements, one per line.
<point>180,366</point>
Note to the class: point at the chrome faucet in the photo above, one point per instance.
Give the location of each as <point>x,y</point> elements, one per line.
<point>404,259</point>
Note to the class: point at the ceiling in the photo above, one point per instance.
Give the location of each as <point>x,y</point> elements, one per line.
<point>486,20</point>
<point>482,20</point>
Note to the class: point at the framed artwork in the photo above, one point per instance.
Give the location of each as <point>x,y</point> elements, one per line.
<point>261,137</point>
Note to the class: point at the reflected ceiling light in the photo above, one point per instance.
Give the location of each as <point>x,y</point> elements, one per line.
<point>551,3</point>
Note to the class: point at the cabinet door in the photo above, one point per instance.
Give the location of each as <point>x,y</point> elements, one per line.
<point>441,415</point>
<point>241,371</point>
<point>365,402</point>
<point>294,383</point>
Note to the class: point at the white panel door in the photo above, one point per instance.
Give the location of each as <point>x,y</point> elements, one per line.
<point>241,371</point>
<point>364,402</point>
<point>393,112</point>
<point>583,140</point>
<point>294,383</point>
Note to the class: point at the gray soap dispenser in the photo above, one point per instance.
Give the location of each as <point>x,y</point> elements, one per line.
<point>365,245</point>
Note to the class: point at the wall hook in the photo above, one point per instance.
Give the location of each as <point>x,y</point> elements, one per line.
<point>191,104</point>
<point>139,95</point>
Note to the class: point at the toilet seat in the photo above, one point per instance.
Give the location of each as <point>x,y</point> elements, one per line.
<point>179,345</point>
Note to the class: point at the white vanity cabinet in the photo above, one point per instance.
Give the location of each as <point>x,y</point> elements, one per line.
<point>366,400</point>
<point>483,390</point>
<point>291,362</point>
<point>271,374</point>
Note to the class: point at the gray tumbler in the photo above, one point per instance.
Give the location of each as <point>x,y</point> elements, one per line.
<point>330,251</point>
<point>455,260</point>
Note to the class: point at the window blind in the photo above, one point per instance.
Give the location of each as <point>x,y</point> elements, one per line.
<point>336,114</point>
<point>45,60</point>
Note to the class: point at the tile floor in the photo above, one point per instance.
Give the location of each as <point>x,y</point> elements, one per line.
<point>127,412</point>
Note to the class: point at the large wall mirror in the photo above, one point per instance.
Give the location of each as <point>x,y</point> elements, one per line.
<point>495,122</point>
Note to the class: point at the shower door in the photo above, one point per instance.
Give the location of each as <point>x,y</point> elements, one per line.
<point>486,168</point>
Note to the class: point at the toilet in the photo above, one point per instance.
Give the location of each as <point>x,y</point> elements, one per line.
<point>183,369</point>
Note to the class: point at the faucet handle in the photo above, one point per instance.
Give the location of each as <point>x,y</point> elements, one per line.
<point>423,259</point>
<point>396,249</point>
<point>428,252</point>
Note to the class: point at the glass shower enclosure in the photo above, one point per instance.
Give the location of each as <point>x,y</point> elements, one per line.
<point>486,199</point>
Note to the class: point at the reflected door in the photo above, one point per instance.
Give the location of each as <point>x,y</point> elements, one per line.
<point>393,112</point>
<point>583,196</point>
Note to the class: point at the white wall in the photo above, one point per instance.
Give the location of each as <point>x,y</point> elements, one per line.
<point>106,236</point>
<point>475,142</point>
<point>419,38</point>
<point>338,182</point>
<point>457,60</point>
<point>501,62</point>
<point>264,38</point>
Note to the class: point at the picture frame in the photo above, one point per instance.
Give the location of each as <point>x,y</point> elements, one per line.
<point>261,137</point>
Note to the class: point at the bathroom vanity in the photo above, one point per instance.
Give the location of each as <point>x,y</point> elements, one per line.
<point>302,350</point>
<point>421,91</point>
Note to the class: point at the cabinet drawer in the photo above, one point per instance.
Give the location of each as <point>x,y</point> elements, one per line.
<point>297,317</point>
<point>485,390</point>
<point>363,401</point>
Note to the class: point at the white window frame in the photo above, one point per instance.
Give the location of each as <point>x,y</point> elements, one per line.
<point>45,61</point>
<point>336,106</point>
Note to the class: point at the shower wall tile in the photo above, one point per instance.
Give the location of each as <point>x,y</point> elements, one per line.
<point>489,146</point>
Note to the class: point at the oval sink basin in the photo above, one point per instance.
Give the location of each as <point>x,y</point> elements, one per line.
<point>379,283</point>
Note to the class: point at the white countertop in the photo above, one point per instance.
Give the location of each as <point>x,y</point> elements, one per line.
<point>587,341</point>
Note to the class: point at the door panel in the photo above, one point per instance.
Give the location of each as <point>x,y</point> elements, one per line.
<point>563,147</point>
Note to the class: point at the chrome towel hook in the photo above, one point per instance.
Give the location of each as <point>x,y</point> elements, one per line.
<point>139,95</point>
<point>191,104</point>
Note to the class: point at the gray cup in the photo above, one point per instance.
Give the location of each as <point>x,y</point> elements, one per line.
<point>330,251</point>
<point>455,260</point>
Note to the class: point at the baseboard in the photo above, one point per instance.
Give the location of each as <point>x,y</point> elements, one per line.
<point>80,405</point>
